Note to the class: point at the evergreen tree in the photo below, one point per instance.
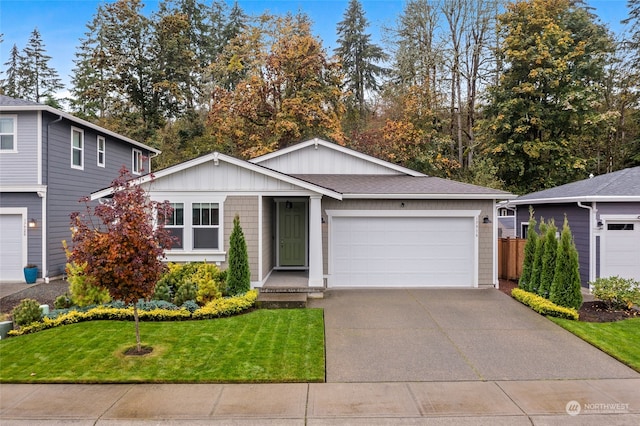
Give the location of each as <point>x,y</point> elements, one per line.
<point>566,288</point>
<point>529,253</point>
<point>12,84</point>
<point>239,274</point>
<point>38,79</point>
<point>536,271</point>
<point>359,58</point>
<point>548,260</point>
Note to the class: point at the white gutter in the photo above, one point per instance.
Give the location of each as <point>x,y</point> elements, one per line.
<point>592,239</point>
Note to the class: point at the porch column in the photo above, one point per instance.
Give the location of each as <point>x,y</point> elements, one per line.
<point>315,242</point>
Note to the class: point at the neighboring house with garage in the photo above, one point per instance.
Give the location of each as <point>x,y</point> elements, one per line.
<point>49,159</point>
<point>348,219</point>
<point>604,217</point>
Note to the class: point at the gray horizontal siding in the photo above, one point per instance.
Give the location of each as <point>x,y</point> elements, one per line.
<point>21,168</point>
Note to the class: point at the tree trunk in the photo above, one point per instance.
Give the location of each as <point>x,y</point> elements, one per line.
<point>135,318</point>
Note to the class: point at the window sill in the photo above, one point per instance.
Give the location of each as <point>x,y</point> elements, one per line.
<point>196,256</point>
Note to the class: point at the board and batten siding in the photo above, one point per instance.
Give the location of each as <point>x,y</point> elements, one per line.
<point>268,235</point>
<point>247,208</point>
<point>66,185</point>
<point>322,160</point>
<point>21,167</point>
<point>485,236</point>
<point>578,219</point>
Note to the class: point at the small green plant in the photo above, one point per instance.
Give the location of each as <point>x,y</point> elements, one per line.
<point>62,302</point>
<point>239,274</point>
<point>187,291</point>
<point>617,292</point>
<point>543,306</point>
<point>28,311</point>
<point>83,290</point>
<point>529,253</point>
<point>210,286</point>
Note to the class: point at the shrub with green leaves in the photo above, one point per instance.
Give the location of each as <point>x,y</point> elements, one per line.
<point>239,274</point>
<point>190,281</point>
<point>62,302</point>
<point>566,286</point>
<point>543,306</point>
<point>536,271</point>
<point>84,292</point>
<point>27,312</point>
<point>548,268</point>
<point>617,292</point>
<point>529,253</point>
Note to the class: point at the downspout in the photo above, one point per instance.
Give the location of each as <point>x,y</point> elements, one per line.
<point>592,238</point>
<point>45,213</point>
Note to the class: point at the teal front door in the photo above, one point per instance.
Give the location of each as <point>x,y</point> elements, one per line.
<point>292,230</point>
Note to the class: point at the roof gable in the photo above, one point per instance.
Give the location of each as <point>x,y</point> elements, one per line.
<point>622,185</point>
<point>318,156</point>
<point>221,173</point>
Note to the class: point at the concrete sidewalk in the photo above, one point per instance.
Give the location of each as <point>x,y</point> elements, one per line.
<point>589,402</point>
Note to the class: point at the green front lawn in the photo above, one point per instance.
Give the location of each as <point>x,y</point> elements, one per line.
<point>262,346</point>
<point>618,339</point>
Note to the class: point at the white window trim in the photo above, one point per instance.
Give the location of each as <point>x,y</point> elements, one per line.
<point>134,153</point>
<point>102,151</point>
<point>81,166</point>
<point>15,134</point>
<point>183,226</point>
<point>187,253</point>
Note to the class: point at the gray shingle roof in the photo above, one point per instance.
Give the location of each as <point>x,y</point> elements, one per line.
<point>400,184</point>
<point>9,101</point>
<point>623,184</point>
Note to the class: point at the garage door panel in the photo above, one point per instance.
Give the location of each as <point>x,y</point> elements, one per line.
<point>11,247</point>
<point>402,252</point>
<point>621,250</point>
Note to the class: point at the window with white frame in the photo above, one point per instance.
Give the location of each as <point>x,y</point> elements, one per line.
<point>8,133</point>
<point>136,161</point>
<point>175,225</point>
<point>205,222</point>
<point>101,149</point>
<point>77,148</point>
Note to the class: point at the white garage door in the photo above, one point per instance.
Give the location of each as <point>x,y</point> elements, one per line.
<point>402,252</point>
<point>11,247</point>
<point>621,250</point>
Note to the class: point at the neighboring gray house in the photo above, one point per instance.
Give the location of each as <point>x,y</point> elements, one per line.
<point>604,217</point>
<point>349,219</point>
<point>49,160</point>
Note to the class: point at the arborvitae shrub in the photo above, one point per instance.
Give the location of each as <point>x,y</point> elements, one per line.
<point>566,289</point>
<point>529,254</point>
<point>536,271</point>
<point>238,273</point>
<point>548,269</point>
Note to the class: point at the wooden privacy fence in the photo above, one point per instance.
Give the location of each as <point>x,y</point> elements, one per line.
<point>510,258</point>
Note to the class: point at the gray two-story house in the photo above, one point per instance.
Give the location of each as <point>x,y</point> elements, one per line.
<point>49,159</point>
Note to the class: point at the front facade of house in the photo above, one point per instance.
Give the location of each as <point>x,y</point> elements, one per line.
<point>604,216</point>
<point>348,219</point>
<point>49,160</point>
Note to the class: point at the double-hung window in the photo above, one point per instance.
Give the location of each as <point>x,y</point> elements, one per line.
<point>101,148</point>
<point>205,222</point>
<point>175,225</point>
<point>8,134</point>
<point>136,161</point>
<point>77,148</point>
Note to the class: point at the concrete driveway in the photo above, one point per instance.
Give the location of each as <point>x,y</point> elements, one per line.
<point>426,335</point>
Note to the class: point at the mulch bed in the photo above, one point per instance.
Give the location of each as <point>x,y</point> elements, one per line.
<point>44,293</point>
<point>591,311</point>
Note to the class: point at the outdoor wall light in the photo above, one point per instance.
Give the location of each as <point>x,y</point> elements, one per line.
<point>600,224</point>
<point>486,219</point>
<point>32,223</point>
<point>288,205</point>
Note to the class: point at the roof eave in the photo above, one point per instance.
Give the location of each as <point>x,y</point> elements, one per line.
<point>8,108</point>
<point>413,196</point>
<point>588,199</point>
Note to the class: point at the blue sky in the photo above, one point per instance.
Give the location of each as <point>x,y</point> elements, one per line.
<point>63,22</point>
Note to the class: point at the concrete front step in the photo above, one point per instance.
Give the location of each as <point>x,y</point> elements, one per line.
<point>272,300</point>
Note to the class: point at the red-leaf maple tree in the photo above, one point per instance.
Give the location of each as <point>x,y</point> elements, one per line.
<point>122,243</point>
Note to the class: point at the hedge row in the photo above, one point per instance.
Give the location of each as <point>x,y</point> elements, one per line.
<point>214,309</point>
<point>542,305</point>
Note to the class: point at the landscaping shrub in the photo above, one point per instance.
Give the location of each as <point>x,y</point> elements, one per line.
<point>190,281</point>
<point>238,275</point>
<point>566,288</point>
<point>617,292</point>
<point>548,268</point>
<point>83,291</point>
<point>227,306</point>
<point>209,282</point>
<point>186,291</point>
<point>529,253</point>
<point>536,271</point>
<point>543,306</point>
<point>62,302</point>
<point>27,312</point>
